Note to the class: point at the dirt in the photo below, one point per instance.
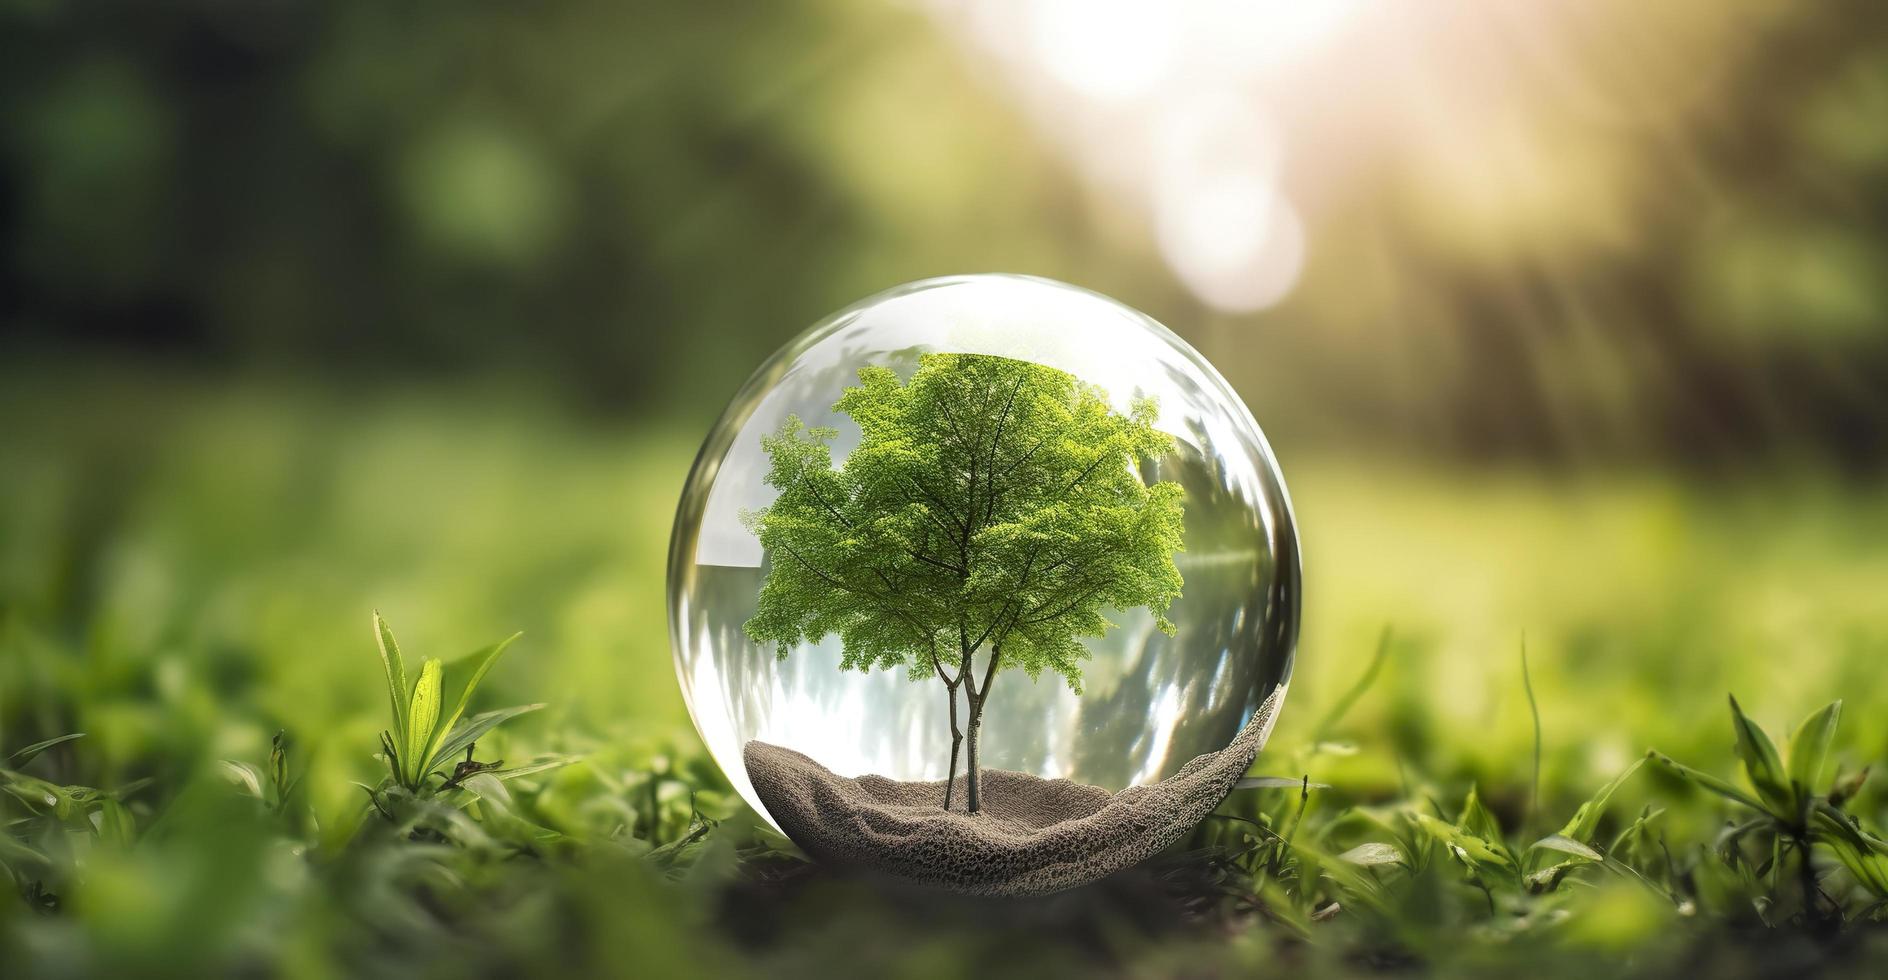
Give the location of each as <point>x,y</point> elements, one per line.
<point>1033,835</point>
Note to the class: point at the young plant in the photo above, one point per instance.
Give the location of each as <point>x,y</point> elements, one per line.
<point>59,822</point>
<point>272,786</point>
<point>421,742</point>
<point>1792,815</point>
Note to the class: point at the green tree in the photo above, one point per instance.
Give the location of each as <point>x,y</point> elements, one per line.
<point>992,510</point>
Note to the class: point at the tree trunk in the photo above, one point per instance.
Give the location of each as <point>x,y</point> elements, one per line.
<point>973,775</point>
<point>957,738</point>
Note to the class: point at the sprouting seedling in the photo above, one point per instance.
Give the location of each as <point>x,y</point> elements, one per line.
<point>100,812</point>
<point>421,741</point>
<point>272,785</point>
<point>1789,810</point>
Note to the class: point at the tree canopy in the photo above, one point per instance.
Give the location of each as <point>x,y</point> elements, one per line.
<point>991,505</point>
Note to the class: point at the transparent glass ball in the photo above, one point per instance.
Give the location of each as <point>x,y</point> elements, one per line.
<point>1151,702</point>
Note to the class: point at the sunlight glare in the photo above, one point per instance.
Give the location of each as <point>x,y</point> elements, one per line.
<point>1109,50</point>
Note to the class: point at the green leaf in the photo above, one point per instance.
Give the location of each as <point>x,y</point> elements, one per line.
<point>1567,845</point>
<point>501,812</point>
<point>396,671</point>
<point>17,854</point>
<point>1636,841</point>
<point>114,823</point>
<point>1762,764</point>
<point>1349,698</point>
<point>1474,850</point>
<point>243,776</point>
<point>1809,748</point>
<point>472,729</point>
<point>1861,853</point>
<point>423,717</point>
<point>278,767</point>
<point>28,754</point>
<point>37,793</point>
<point>1586,820</point>
<point>1361,889</point>
<point>1707,781</point>
<point>127,790</point>
<point>534,767</point>
<point>1477,820</point>
<point>486,658</point>
<point>1844,788</point>
<point>1372,855</point>
<point>390,753</point>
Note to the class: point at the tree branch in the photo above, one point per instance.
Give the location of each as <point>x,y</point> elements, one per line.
<point>1071,604</point>
<point>1026,456</point>
<point>989,674</point>
<point>996,435</point>
<point>828,579</point>
<point>854,590</point>
<point>950,419</point>
<point>1084,476</point>
<point>939,667</point>
<point>927,559</point>
<point>1004,418</point>
<point>963,526</point>
<point>993,621</point>
<point>822,499</point>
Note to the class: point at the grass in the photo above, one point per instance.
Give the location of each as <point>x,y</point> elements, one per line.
<point>186,575</point>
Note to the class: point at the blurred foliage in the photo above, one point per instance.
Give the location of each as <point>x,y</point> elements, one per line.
<point>638,199</point>
<point>1584,231</point>
<point>183,589</point>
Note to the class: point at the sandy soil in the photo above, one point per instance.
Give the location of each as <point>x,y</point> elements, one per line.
<point>1034,835</point>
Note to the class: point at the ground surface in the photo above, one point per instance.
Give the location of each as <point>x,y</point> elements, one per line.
<point>182,588</point>
<point>1032,836</point>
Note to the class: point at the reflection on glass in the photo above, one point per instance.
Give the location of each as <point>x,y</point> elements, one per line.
<point>1152,702</point>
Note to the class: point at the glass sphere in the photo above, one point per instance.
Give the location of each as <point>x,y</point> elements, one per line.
<point>1151,702</point>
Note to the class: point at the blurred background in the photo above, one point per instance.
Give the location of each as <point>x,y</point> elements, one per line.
<point>1568,321</point>
<point>1571,231</point>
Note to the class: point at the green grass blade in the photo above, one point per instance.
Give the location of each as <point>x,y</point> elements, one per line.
<point>16,854</point>
<point>1349,698</point>
<point>474,728</point>
<point>1567,845</point>
<point>1637,836</point>
<point>31,752</point>
<point>1480,822</point>
<point>1476,817</point>
<point>1534,709</point>
<point>243,776</point>
<point>534,767</point>
<point>1707,781</point>
<point>1850,825</point>
<point>1473,848</point>
<point>1372,854</point>
<point>1809,748</point>
<point>396,671</point>
<point>392,753</point>
<point>114,823</point>
<point>1864,855</point>
<point>1358,886</point>
<point>486,658</point>
<point>1761,762</point>
<point>423,717</point>
<point>1586,820</point>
